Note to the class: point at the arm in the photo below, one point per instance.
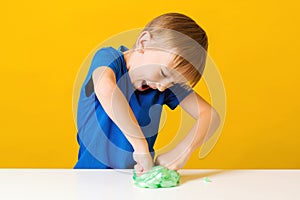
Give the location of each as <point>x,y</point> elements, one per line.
<point>207,122</point>
<point>117,108</point>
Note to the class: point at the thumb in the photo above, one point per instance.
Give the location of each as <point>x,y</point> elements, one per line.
<point>138,169</point>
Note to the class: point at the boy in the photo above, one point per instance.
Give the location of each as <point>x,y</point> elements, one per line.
<point>121,99</point>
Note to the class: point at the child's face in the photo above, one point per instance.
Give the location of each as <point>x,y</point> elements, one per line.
<point>152,69</point>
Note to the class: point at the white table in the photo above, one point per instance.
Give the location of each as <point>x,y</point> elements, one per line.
<point>54,184</point>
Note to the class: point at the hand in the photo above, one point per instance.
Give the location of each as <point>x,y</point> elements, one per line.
<point>173,159</point>
<point>144,162</point>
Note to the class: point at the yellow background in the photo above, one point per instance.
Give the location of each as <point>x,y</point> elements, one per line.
<point>255,45</point>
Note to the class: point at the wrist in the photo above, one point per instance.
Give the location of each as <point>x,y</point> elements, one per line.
<point>141,148</point>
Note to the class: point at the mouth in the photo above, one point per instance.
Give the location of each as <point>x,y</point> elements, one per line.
<point>144,86</point>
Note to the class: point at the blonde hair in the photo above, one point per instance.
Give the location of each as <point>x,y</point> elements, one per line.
<point>181,35</point>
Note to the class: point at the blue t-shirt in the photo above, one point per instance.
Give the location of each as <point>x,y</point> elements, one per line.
<point>102,144</point>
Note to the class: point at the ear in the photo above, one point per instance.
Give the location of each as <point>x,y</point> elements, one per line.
<point>142,41</point>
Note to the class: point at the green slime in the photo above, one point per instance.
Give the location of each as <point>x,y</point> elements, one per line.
<point>157,177</point>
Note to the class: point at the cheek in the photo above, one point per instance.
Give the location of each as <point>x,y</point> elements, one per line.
<point>149,74</point>
<point>146,72</point>
<point>136,73</point>
<point>155,77</point>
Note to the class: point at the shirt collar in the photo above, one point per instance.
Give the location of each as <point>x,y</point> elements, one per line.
<point>122,48</point>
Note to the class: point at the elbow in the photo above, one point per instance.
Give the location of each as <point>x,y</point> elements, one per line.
<point>211,114</point>
<point>215,118</point>
<point>215,121</point>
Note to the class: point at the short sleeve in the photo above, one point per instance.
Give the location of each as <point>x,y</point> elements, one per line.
<point>175,94</point>
<point>108,57</point>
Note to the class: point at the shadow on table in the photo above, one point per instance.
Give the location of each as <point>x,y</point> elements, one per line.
<point>198,175</point>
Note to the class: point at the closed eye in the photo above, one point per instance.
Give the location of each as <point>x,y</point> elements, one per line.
<point>162,73</point>
<point>165,76</point>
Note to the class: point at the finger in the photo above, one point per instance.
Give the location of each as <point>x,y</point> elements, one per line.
<point>171,167</point>
<point>136,170</point>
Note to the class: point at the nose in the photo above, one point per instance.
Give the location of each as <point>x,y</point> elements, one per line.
<point>156,85</point>
<point>160,87</point>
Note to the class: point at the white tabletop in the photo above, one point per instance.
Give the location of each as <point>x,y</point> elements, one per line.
<point>43,184</point>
